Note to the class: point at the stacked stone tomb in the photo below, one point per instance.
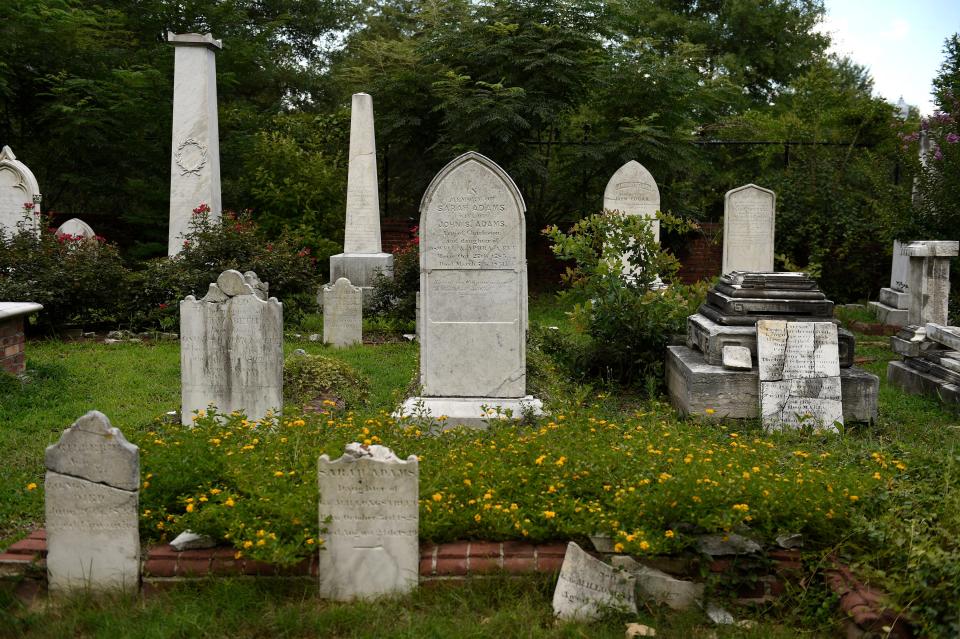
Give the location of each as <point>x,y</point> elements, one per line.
<point>930,364</point>
<point>711,371</point>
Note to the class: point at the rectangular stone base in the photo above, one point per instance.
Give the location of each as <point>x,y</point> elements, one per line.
<point>901,375</point>
<point>449,412</point>
<point>894,298</point>
<point>889,315</point>
<point>360,268</point>
<point>694,386</point>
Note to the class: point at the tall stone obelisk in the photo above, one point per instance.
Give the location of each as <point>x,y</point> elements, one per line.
<point>362,257</point>
<point>195,157</point>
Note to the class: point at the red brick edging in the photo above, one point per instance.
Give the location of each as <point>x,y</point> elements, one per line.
<point>866,607</point>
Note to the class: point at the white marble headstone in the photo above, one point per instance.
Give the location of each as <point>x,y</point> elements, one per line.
<point>900,267</point>
<point>369,506</point>
<point>342,314</point>
<point>587,587</point>
<point>749,217</point>
<point>633,191</point>
<point>799,375</point>
<point>75,227</point>
<point>18,187</point>
<point>92,481</point>
<point>195,155</point>
<point>231,348</point>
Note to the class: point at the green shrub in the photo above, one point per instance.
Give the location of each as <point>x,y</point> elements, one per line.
<point>78,281</point>
<point>629,321</point>
<point>395,298</point>
<point>312,378</point>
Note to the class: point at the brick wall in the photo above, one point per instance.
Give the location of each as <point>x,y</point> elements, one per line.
<point>701,257</point>
<point>12,359</point>
<point>395,232</point>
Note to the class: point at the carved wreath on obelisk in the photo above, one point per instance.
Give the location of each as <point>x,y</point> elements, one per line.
<point>191,156</point>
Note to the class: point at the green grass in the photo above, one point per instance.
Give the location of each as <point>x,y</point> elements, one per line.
<point>493,607</point>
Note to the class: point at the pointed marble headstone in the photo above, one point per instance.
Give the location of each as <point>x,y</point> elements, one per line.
<point>342,314</point>
<point>75,227</point>
<point>749,218</point>
<point>195,156</point>
<point>91,492</point>
<point>633,191</point>
<point>362,256</point>
<point>19,194</point>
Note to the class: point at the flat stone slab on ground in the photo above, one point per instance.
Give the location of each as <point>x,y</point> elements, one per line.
<point>902,375</point>
<point>587,587</point>
<point>472,412</point>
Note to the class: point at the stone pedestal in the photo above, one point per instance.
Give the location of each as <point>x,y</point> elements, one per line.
<point>12,338</point>
<point>195,156</point>
<point>361,269</point>
<point>893,303</point>
<point>473,412</point>
<point>929,280</point>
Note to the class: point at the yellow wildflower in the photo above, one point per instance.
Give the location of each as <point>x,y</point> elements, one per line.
<point>549,514</point>
<point>437,496</point>
<point>32,486</point>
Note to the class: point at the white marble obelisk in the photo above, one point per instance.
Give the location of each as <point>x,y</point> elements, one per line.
<point>362,256</point>
<point>195,156</point>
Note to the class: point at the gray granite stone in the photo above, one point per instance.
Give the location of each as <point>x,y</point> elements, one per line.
<point>799,371</point>
<point>889,315</point>
<point>231,351</point>
<point>18,187</point>
<point>195,157</point>
<point>906,377</point>
<point>764,306</point>
<point>894,299</point>
<point>633,191</point>
<point>91,509</point>
<point>933,248</point>
<point>370,510</point>
<point>342,314</point>
<point>786,281</point>
<point>737,358</point>
<point>749,214</point>
<point>587,587</point>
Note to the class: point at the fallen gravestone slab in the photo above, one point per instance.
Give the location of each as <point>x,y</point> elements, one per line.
<point>587,587</point>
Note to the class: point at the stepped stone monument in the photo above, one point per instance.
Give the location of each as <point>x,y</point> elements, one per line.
<point>75,227</point>
<point>749,221</point>
<point>342,314</point>
<point>195,155</point>
<point>369,507</point>
<point>92,518</point>
<point>919,284</point>
<point>362,256</point>
<point>473,295</point>
<point>19,194</point>
<point>893,305</point>
<point>231,348</point>
<point>698,377</point>
<point>930,364</point>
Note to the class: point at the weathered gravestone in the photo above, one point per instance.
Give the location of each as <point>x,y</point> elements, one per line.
<point>342,314</point>
<point>76,228</point>
<point>93,476</point>
<point>929,280</point>
<point>749,214</point>
<point>893,305</point>
<point>369,507</point>
<point>195,156</point>
<point>231,348</point>
<point>362,256</point>
<point>473,294</point>
<point>799,375</point>
<point>587,587</point>
<point>19,194</point>
<point>633,191</point>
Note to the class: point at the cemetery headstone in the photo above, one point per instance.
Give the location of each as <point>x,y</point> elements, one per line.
<point>92,518</point>
<point>342,314</point>
<point>473,294</point>
<point>231,348</point>
<point>633,191</point>
<point>749,214</point>
<point>587,587</point>
<point>76,228</point>
<point>19,194</point>
<point>929,280</point>
<point>195,156</point>
<point>362,256</point>
<point>799,375</point>
<point>893,305</point>
<point>369,507</point>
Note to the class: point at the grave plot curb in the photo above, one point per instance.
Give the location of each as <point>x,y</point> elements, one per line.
<point>867,608</point>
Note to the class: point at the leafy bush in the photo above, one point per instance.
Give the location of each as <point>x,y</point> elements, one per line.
<point>395,298</point>
<point>209,248</point>
<point>307,378</point>
<point>629,320</point>
<point>78,281</point>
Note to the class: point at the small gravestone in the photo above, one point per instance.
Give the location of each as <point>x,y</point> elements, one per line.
<point>342,314</point>
<point>799,375</point>
<point>633,191</point>
<point>369,507</point>
<point>749,214</point>
<point>195,155</point>
<point>587,587</point>
<point>19,194</point>
<point>93,541</point>
<point>75,228</point>
<point>231,348</point>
